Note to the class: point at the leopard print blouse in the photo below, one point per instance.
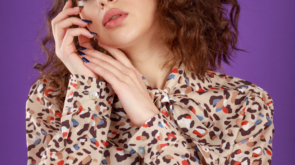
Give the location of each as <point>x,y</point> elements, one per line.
<point>219,119</point>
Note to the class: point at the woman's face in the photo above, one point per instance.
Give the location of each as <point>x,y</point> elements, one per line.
<point>138,25</point>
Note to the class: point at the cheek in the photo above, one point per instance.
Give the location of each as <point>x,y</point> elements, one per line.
<point>147,12</point>
<point>91,13</point>
<point>144,23</point>
<point>144,11</point>
<point>90,9</point>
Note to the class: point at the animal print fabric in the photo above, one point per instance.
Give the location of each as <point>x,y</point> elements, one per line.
<point>219,119</point>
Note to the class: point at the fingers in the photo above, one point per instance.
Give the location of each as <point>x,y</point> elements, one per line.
<point>98,57</point>
<point>61,23</point>
<point>85,42</point>
<point>71,33</point>
<point>63,15</point>
<point>68,4</point>
<point>118,54</point>
<point>105,73</point>
<point>62,27</point>
<point>121,57</point>
<point>105,68</point>
<point>113,66</point>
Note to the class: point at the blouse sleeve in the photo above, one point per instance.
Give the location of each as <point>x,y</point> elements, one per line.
<point>233,134</point>
<point>253,143</point>
<point>78,134</point>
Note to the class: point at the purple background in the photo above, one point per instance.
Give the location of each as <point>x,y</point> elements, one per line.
<point>266,31</point>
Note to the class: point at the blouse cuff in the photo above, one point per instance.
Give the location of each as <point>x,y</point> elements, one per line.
<point>91,92</point>
<point>87,107</point>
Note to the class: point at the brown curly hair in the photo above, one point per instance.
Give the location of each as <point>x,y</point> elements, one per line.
<point>198,33</point>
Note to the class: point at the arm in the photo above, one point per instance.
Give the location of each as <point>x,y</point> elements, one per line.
<point>81,132</point>
<point>253,144</point>
<point>238,136</point>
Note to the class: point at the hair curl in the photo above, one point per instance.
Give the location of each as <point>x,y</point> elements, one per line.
<point>198,33</point>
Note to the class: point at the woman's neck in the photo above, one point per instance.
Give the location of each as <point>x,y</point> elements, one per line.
<point>147,56</point>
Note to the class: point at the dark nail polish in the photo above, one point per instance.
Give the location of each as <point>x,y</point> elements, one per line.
<point>87,21</point>
<point>93,33</point>
<point>85,60</point>
<point>95,39</point>
<point>81,48</point>
<point>81,53</point>
<point>81,6</point>
<point>66,1</point>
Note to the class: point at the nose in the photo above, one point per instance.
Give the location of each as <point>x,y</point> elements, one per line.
<point>102,3</point>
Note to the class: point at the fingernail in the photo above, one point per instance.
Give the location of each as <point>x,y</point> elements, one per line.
<point>81,48</point>
<point>80,8</point>
<point>87,21</point>
<point>81,53</point>
<point>85,60</point>
<point>93,33</point>
<point>66,1</point>
<point>95,39</point>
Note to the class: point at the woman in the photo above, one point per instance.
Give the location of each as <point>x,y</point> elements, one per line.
<point>94,106</point>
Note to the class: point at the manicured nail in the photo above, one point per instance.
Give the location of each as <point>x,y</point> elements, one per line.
<point>93,33</point>
<point>95,39</point>
<point>87,21</point>
<point>81,48</point>
<point>66,1</point>
<point>81,6</point>
<point>81,53</point>
<point>85,60</point>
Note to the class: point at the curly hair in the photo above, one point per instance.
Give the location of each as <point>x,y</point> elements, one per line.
<point>197,32</point>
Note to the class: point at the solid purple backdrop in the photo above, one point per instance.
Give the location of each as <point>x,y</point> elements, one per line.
<point>266,31</point>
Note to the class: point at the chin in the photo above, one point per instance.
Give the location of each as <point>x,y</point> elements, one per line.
<point>120,39</point>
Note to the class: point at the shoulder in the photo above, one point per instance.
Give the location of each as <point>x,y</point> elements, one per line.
<point>45,87</point>
<point>223,92</point>
<point>42,93</point>
<point>240,87</point>
<point>247,106</point>
<point>230,102</point>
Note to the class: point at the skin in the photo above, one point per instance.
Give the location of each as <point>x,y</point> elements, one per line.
<point>137,36</point>
<point>136,49</point>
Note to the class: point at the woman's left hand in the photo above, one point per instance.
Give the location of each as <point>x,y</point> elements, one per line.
<point>125,80</point>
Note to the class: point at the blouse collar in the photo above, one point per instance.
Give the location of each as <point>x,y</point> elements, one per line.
<point>175,74</point>
<point>183,86</point>
<point>176,85</point>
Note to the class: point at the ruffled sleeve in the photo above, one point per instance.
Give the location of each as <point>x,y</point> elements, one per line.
<point>78,135</point>
<point>218,129</point>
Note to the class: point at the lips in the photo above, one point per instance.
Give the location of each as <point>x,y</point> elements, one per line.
<point>108,15</point>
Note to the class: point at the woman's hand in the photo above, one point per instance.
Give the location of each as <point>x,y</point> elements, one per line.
<point>126,82</point>
<point>65,48</point>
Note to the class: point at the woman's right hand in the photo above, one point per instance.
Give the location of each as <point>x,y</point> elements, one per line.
<point>65,47</point>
